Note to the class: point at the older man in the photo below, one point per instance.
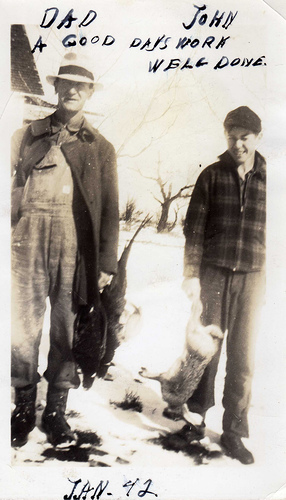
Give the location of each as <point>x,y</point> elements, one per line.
<point>64,244</point>
<point>224,265</point>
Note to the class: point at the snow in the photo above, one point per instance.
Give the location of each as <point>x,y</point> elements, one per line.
<point>154,340</point>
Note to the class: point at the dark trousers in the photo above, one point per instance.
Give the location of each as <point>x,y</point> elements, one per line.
<point>230,300</point>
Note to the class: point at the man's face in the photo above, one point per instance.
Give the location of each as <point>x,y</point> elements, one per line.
<point>72,95</point>
<point>241,144</point>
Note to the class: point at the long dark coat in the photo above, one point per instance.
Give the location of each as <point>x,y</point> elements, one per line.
<point>92,161</point>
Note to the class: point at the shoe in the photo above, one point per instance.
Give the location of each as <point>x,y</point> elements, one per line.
<point>23,421</point>
<point>235,448</point>
<point>54,423</point>
<point>23,418</point>
<point>58,431</point>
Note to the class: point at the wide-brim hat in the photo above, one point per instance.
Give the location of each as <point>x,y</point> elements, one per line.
<point>76,68</point>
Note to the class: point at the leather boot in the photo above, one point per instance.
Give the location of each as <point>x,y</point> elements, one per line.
<point>24,415</point>
<point>54,424</point>
<point>235,448</point>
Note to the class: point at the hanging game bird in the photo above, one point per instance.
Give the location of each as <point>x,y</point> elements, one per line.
<point>98,330</point>
<point>180,381</point>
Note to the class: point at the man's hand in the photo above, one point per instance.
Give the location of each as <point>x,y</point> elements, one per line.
<point>103,280</point>
<point>192,288</point>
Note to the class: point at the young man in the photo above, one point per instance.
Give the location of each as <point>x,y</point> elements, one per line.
<point>224,265</point>
<point>64,244</point>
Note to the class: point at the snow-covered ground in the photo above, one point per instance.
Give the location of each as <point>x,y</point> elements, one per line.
<point>113,437</point>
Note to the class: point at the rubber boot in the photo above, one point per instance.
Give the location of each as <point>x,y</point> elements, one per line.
<point>54,424</point>
<point>23,418</point>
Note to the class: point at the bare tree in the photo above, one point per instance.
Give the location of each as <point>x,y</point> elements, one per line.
<point>163,102</point>
<point>167,198</point>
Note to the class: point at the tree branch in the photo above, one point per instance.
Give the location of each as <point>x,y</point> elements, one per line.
<point>157,199</point>
<point>179,193</point>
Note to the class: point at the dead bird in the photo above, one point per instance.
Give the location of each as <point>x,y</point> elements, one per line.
<point>180,381</point>
<point>114,301</point>
<point>99,331</point>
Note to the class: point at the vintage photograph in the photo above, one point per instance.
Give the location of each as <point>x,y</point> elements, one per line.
<point>145,261</point>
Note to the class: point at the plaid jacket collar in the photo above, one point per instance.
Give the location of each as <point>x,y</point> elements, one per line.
<point>44,127</point>
<point>259,163</point>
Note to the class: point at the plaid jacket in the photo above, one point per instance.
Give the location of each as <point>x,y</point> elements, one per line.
<point>223,228</point>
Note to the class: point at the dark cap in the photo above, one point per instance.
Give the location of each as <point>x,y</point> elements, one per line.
<point>243,117</point>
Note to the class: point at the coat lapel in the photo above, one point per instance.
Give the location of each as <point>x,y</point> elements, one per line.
<point>75,154</point>
<point>32,155</point>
